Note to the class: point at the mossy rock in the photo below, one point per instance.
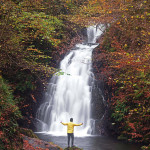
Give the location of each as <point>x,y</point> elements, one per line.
<point>73,148</point>
<point>27,132</point>
<point>121,137</point>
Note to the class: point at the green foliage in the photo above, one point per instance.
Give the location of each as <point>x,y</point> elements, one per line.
<point>9,114</point>
<point>8,100</point>
<point>25,82</point>
<point>107,44</point>
<point>39,25</point>
<point>120,111</point>
<point>60,72</point>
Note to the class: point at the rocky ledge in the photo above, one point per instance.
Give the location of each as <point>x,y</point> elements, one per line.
<point>37,144</point>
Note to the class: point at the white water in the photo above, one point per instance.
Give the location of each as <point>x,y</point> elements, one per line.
<point>69,95</point>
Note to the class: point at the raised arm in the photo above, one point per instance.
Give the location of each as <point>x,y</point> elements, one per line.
<point>64,123</point>
<point>78,124</point>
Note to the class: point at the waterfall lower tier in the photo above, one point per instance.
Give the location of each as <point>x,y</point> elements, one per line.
<point>69,95</point>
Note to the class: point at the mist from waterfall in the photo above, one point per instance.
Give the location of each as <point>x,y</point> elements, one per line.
<point>69,95</point>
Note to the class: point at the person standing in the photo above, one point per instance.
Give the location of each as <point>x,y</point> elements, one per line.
<point>70,130</point>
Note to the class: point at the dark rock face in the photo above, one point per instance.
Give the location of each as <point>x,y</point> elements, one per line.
<point>100,95</point>
<point>97,102</point>
<point>84,34</point>
<point>98,107</point>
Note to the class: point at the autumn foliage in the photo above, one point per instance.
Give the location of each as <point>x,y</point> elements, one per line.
<point>35,34</point>
<point>125,56</point>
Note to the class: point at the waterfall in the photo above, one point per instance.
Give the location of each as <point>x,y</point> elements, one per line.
<point>69,95</point>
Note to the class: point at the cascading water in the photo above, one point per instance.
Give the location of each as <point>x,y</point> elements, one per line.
<point>69,95</point>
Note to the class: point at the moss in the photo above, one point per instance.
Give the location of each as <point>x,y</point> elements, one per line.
<point>28,132</point>
<point>121,137</point>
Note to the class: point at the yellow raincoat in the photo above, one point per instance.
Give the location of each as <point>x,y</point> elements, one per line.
<point>70,126</point>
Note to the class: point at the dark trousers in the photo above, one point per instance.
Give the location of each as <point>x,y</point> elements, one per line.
<point>70,135</point>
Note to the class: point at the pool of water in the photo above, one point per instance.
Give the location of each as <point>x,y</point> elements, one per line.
<point>90,142</point>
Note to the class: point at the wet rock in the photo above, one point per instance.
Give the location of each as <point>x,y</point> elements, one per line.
<point>36,144</point>
<point>98,108</point>
<point>84,34</point>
